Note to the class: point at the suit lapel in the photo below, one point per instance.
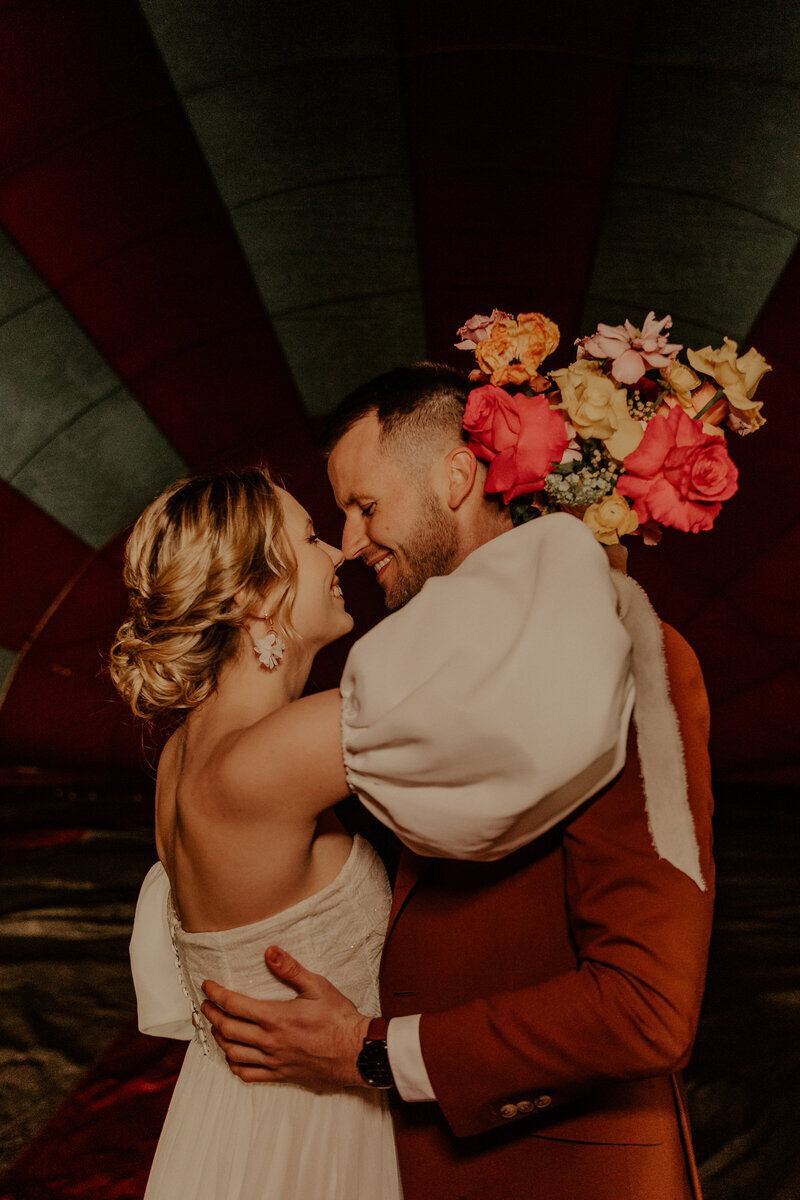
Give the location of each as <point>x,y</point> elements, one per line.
<point>409,871</point>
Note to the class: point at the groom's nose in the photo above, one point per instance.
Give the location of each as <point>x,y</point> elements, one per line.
<point>354,536</point>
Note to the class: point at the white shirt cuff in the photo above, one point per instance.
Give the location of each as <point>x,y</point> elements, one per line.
<point>405,1059</point>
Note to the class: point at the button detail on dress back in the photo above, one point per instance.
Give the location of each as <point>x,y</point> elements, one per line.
<point>201,1033</point>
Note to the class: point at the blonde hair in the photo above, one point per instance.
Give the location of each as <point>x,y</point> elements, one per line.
<point>191,551</point>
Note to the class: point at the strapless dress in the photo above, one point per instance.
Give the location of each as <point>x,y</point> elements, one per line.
<point>224,1139</point>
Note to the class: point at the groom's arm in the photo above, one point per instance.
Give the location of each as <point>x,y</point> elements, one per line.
<point>628,1010</point>
<point>641,927</point>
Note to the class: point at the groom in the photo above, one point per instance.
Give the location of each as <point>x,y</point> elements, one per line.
<point>539,1006</point>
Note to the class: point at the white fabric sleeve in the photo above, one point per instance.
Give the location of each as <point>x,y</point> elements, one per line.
<point>497,700</point>
<point>405,1058</point>
<point>164,1009</point>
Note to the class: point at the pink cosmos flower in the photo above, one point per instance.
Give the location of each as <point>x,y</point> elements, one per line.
<point>631,350</point>
<point>477,329</point>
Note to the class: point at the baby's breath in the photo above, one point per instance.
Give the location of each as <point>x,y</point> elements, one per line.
<point>586,480</point>
<point>580,488</point>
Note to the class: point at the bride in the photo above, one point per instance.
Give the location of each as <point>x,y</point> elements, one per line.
<point>232,595</point>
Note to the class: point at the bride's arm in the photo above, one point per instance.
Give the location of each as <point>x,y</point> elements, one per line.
<point>291,759</point>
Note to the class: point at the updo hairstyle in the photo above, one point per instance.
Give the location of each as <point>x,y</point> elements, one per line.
<point>198,544</point>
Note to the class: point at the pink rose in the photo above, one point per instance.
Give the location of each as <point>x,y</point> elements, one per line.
<point>520,436</point>
<point>678,475</point>
<point>477,329</point>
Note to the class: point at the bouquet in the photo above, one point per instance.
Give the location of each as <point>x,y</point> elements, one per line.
<point>628,436</point>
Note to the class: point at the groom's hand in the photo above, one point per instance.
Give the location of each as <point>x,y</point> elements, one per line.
<point>313,1040</point>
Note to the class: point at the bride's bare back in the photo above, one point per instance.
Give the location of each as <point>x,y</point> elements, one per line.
<point>238,849</point>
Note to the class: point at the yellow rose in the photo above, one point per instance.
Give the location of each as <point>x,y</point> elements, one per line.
<point>597,407</point>
<point>737,376</point>
<point>515,349</point>
<point>610,519</point>
<point>681,382</point>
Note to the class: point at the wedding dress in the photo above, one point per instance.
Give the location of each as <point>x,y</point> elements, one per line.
<point>224,1139</point>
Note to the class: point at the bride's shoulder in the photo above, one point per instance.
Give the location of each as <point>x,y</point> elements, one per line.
<point>291,758</point>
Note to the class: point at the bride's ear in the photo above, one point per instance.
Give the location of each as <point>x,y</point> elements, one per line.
<point>257,608</point>
<point>239,597</point>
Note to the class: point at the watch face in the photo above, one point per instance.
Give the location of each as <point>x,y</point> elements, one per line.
<point>373,1064</point>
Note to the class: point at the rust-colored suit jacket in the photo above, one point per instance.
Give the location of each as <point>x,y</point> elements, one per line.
<point>560,989</point>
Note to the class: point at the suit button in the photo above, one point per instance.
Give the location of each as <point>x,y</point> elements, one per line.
<point>543,1101</point>
<point>508,1111</point>
<point>525,1106</point>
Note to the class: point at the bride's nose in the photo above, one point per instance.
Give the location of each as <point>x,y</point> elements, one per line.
<point>334,554</point>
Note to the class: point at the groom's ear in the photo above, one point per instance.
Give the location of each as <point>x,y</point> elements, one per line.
<point>462,468</point>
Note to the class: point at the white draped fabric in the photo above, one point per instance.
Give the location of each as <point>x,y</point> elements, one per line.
<point>497,700</point>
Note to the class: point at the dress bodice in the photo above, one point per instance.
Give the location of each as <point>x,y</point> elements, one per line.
<point>225,1139</point>
<point>337,932</point>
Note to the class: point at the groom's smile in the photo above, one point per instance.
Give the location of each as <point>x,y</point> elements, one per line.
<point>394,521</point>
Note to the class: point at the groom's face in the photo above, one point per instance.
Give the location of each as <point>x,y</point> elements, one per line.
<point>394,519</point>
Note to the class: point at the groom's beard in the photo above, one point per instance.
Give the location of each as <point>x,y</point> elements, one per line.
<point>430,549</point>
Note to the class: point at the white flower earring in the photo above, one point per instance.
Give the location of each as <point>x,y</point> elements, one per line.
<point>271,648</point>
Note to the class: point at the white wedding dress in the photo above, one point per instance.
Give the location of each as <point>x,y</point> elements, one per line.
<point>228,1140</point>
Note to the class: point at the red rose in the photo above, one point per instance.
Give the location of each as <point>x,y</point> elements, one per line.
<point>492,421</point>
<point>678,475</point>
<point>521,436</point>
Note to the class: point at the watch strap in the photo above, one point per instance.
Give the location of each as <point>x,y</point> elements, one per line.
<point>377,1030</point>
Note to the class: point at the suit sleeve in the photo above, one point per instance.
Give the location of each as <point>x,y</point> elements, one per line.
<point>641,927</point>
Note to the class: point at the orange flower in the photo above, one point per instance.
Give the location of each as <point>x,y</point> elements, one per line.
<point>694,402</point>
<point>515,349</point>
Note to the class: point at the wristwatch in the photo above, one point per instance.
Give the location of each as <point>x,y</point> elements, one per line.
<point>373,1059</point>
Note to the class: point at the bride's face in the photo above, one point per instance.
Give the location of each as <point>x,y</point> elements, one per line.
<point>318,612</point>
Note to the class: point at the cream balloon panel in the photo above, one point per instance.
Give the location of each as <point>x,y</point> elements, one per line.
<point>299,117</point>
<point>703,209</point>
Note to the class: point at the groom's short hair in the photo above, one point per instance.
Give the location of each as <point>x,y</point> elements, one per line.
<point>417,405</point>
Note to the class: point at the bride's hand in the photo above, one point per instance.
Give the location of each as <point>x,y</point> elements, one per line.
<point>312,1041</point>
